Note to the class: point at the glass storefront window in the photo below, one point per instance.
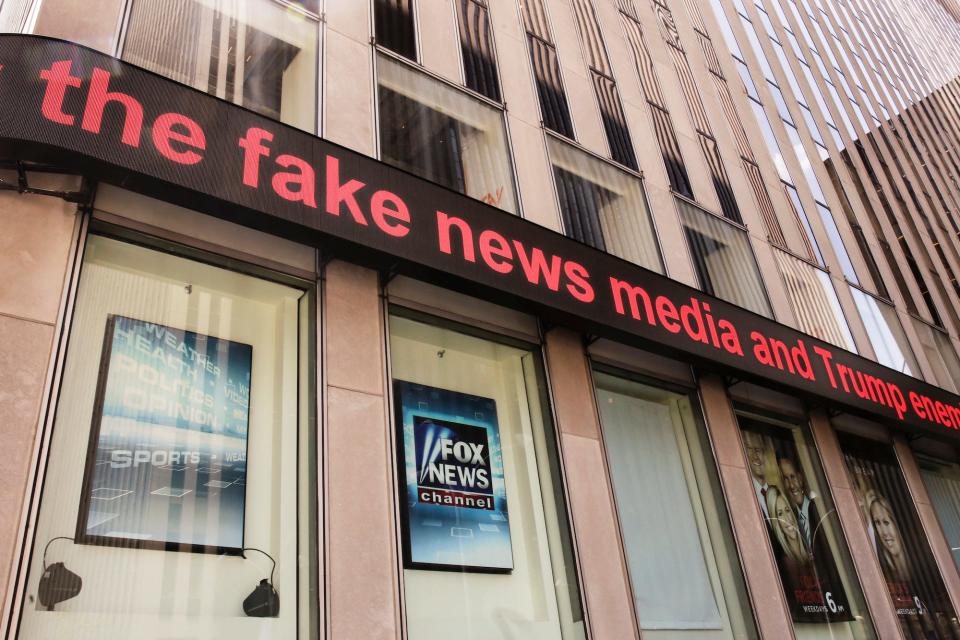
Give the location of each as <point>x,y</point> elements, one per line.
<point>723,259</point>
<point>444,135</point>
<point>258,54</point>
<point>487,549</point>
<point>603,206</point>
<point>180,475</point>
<point>804,531</point>
<point>680,552</point>
<point>886,504</point>
<point>942,479</point>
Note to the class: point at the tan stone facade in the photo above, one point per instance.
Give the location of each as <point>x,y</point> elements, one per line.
<point>896,190</point>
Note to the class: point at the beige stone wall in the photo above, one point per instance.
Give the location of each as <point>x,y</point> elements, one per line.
<point>36,241</point>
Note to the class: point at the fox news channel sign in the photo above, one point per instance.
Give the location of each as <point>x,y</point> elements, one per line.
<point>455,501</point>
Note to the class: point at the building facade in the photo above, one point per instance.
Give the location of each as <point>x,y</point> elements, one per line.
<point>488,319</point>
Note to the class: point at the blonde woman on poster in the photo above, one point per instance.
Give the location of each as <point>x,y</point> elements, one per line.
<point>893,557</point>
<point>783,523</point>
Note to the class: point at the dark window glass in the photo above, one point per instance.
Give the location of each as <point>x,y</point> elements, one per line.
<point>421,140</point>
<point>605,87</point>
<point>723,258</point>
<point>670,149</point>
<point>728,202</point>
<point>614,121</point>
<point>871,261</point>
<point>580,205</point>
<point>535,19</point>
<point>479,56</point>
<point>394,26</point>
<point>603,205</point>
<point>553,100</point>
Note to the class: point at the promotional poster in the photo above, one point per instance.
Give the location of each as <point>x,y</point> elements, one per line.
<point>918,592</point>
<point>455,502</point>
<point>797,521</point>
<point>167,460</point>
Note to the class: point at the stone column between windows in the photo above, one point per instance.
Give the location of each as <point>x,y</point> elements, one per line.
<point>35,248</point>
<point>928,518</point>
<point>858,541</point>
<point>596,531</point>
<point>760,569</point>
<point>362,566</point>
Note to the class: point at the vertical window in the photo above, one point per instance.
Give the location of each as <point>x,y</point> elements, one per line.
<point>691,95</point>
<point>181,467</point>
<point>394,27</point>
<point>747,158</point>
<point>941,354</point>
<point>662,124</point>
<point>479,55</point>
<point>942,479</point>
<point>603,206</point>
<point>815,302</point>
<point>680,552</point>
<point>919,595</point>
<point>257,54</point>
<point>886,334</point>
<point>723,259</point>
<point>546,69</point>
<point>816,572</point>
<point>605,87</point>
<point>13,14</point>
<point>444,135</point>
<point>487,549</point>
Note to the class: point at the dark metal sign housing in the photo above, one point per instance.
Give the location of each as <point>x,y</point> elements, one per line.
<point>89,113</point>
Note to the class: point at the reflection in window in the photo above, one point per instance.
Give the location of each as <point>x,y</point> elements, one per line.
<point>13,14</point>
<point>476,42</point>
<point>394,26</point>
<point>886,334</point>
<point>941,355</point>
<point>603,206</point>
<point>444,135</point>
<point>814,301</point>
<point>256,54</point>
<point>723,259</point>
<point>662,123</point>
<point>546,69</point>
<point>680,552</point>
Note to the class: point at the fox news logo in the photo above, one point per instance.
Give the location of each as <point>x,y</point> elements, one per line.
<point>453,464</point>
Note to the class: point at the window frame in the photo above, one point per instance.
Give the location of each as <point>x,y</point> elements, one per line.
<point>556,138</point>
<point>194,249</point>
<point>415,67</point>
<point>123,27</point>
<point>442,319</point>
<point>690,389</point>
